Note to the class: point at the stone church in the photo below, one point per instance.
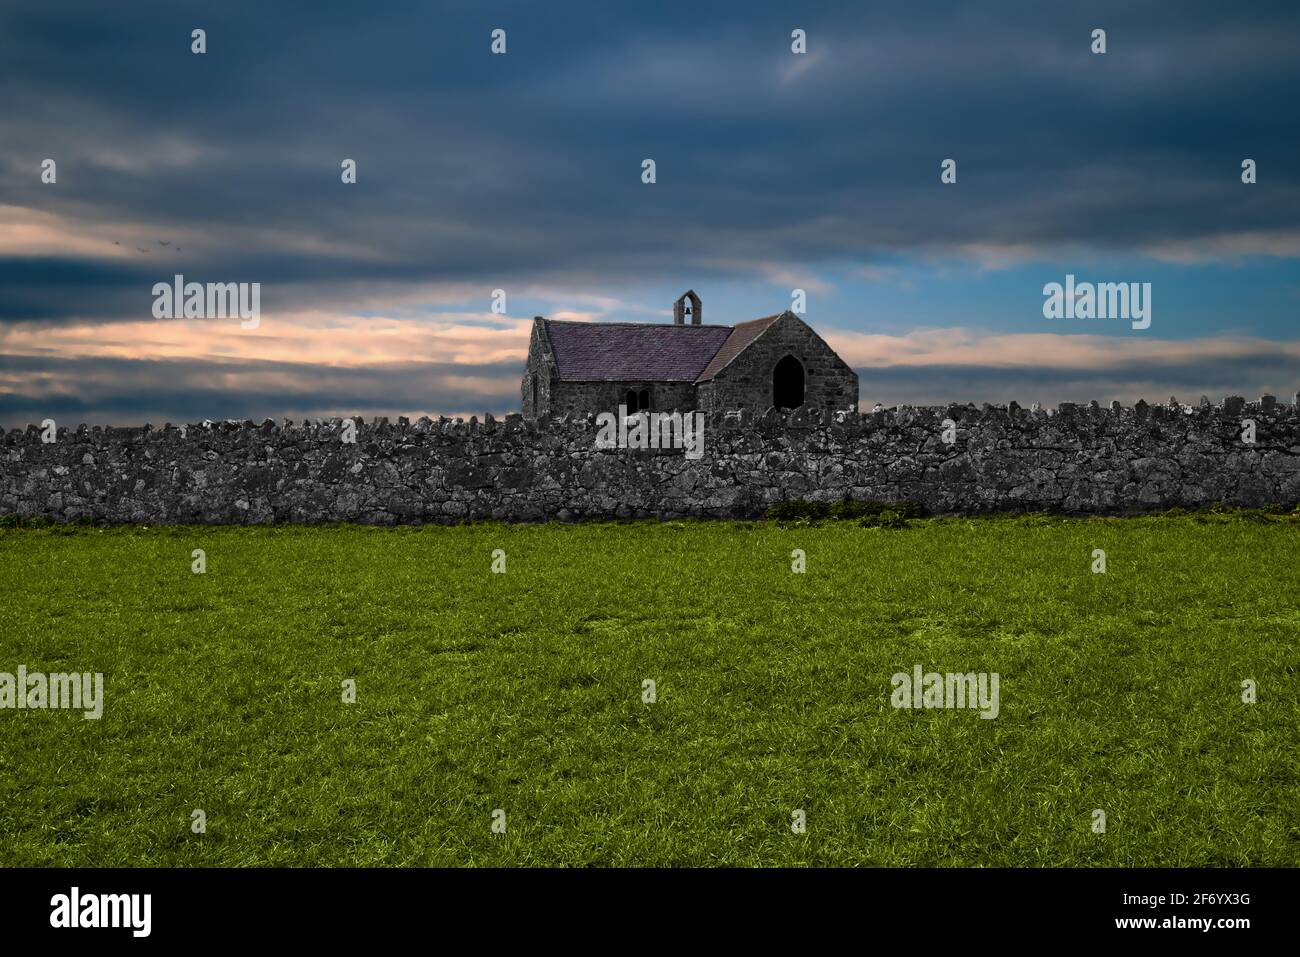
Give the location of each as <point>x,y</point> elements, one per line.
<point>774,362</point>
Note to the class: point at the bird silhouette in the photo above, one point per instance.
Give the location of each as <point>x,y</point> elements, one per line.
<point>142,250</point>
<point>164,242</point>
<point>116,243</point>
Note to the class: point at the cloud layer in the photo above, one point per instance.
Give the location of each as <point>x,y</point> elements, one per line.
<point>522,172</point>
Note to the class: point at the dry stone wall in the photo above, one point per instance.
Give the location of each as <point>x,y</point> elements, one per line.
<point>1074,459</point>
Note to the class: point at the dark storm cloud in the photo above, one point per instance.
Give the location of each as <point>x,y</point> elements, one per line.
<point>50,288</point>
<point>526,167</point>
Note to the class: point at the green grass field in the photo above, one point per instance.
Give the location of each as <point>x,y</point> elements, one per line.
<point>523,691</point>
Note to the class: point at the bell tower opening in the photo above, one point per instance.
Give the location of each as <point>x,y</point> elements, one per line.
<point>687,304</point>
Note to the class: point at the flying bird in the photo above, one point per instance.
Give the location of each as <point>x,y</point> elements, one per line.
<point>164,242</point>
<point>142,250</point>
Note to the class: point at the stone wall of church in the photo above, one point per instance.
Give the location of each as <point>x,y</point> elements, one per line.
<point>577,398</point>
<point>535,388</point>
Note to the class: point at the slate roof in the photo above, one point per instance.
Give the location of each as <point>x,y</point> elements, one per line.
<point>741,336</point>
<point>625,351</point>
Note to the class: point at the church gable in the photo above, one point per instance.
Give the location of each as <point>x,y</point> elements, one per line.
<point>780,362</point>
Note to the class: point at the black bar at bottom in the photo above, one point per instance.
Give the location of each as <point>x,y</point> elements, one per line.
<point>334,906</point>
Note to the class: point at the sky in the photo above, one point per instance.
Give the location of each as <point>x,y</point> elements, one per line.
<point>523,172</point>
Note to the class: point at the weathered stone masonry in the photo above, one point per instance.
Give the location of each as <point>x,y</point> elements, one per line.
<point>1074,459</point>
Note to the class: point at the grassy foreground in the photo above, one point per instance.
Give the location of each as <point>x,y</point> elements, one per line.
<point>523,691</point>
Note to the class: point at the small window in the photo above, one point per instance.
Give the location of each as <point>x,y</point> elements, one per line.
<point>636,401</point>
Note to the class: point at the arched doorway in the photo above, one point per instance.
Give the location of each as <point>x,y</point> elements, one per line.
<point>787,384</point>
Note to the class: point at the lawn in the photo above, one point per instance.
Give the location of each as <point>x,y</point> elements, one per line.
<point>523,691</point>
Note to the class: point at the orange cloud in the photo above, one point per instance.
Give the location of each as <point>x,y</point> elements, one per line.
<point>1039,350</point>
